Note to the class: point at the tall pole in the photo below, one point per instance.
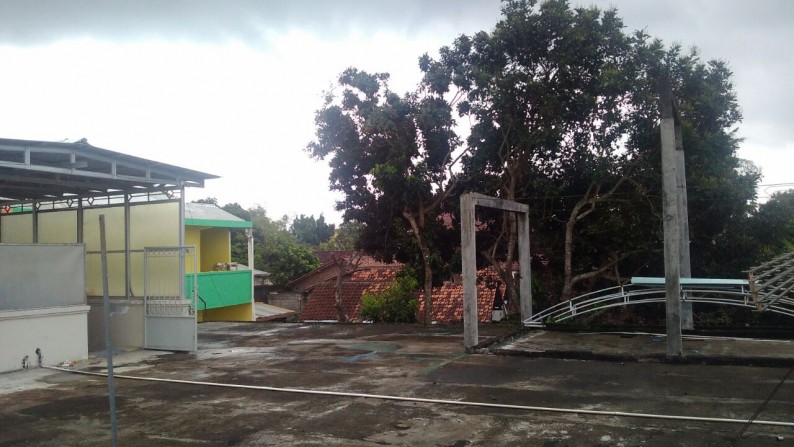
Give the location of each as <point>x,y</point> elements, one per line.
<point>469,255</point>
<point>687,320</point>
<point>108,342</point>
<point>672,234</point>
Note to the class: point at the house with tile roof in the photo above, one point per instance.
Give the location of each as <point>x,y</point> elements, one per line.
<point>373,276</point>
<point>321,302</point>
<point>448,299</point>
<point>362,274</point>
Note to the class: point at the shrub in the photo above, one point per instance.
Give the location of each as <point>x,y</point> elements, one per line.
<point>397,304</point>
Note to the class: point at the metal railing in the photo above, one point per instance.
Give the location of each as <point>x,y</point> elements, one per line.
<point>723,292</point>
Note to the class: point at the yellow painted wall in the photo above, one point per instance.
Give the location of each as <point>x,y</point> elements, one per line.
<point>114,240</point>
<point>16,229</point>
<point>58,227</point>
<point>153,225</point>
<point>242,312</point>
<point>215,247</point>
<point>193,238</point>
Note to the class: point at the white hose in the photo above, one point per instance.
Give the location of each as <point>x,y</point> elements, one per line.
<point>444,402</point>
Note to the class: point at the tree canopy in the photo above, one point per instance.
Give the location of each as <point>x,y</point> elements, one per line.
<point>564,117</point>
<point>311,231</point>
<point>390,156</point>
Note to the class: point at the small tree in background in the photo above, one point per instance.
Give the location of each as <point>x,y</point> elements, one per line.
<point>397,304</point>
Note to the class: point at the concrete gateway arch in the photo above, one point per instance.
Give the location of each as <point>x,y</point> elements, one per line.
<point>468,204</point>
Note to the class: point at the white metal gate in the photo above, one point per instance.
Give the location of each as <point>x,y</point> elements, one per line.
<point>170,298</point>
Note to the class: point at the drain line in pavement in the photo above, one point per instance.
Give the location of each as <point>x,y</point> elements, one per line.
<point>440,401</point>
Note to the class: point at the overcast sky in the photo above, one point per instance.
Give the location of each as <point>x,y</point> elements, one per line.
<point>230,88</point>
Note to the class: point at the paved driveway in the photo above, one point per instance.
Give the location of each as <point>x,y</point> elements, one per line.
<point>61,408</point>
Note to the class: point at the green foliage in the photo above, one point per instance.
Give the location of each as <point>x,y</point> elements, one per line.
<point>566,120</point>
<point>276,250</point>
<point>346,238</point>
<point>397,304</point>
<point>284,258</point>
<point>772,226</point>
<point>391,158</point>
<point>311,231</point>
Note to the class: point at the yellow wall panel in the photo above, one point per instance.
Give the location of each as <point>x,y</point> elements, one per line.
<point>193,238</point>
<point>154,225</point>
<point>114,240</point>
<point>231,313</point>
<point>114,228</point>
<point>215,247</point>
<point>16,229</point>
<point>58,227</point>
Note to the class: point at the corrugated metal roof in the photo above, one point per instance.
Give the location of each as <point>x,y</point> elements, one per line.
<point>207,214</point>
<point>43,171</point>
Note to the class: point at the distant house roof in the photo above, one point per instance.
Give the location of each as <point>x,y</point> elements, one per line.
<point>321,305</point>
<point>448,299</point>
<point>209,215</point>
<point>328,269</point>
<point>33,171</point>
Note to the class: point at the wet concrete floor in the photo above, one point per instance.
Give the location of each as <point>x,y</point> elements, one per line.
<point>45,407</point>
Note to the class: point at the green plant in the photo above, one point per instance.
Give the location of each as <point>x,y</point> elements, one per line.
<point>396,304</point>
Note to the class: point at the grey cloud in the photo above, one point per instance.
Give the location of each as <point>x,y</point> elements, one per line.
<point>753,36</point>
<point>39,22</point>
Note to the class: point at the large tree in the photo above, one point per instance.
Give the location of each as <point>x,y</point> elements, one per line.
<point>390,156</point>
<point>566,119</point>
<point>547,90</point>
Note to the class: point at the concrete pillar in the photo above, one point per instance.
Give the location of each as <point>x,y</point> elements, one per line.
<point>469,257</point>
<point>524,261</point>
<point>672,236</point>
<point>249,234</point>
<point>687,320</point>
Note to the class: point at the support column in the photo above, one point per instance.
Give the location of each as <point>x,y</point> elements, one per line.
<point>249,233</point>
<point>469,257</point>
<point>524,261</point>
<point>80,223</point>
<point>127,257</point>
<point>687,320</point>
<point>35,222</point>
<point>672,236</point>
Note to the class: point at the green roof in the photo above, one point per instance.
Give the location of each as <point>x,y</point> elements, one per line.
<point>209,215</point>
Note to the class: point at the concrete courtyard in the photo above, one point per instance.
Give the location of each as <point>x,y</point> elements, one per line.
<point>622,377</point>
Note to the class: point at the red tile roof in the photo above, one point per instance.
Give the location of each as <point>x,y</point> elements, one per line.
<point>328,270</point>
<point>448,299</point>
<point>321,302</point>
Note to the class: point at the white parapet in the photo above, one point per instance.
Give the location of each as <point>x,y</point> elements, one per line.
<point>59,333</point>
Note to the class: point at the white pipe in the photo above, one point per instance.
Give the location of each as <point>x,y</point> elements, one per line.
<point>446,402</point>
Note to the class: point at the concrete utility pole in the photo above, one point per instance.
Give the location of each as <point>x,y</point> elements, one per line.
<point>671,220</point>
<point>687,321</point>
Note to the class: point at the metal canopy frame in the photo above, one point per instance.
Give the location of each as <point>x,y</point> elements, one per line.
<point>468,203</point>
<point>43,176</point>
<point>32,172</point>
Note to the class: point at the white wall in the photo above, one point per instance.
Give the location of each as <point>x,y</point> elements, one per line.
<point>126,323</point>
<point>61,333</point>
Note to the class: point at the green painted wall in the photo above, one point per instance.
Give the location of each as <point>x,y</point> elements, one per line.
<point>221,289</point>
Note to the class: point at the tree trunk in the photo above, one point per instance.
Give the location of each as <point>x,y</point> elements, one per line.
<point>344,266</point>
<point>340,311</point>
<point>425,250</point>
